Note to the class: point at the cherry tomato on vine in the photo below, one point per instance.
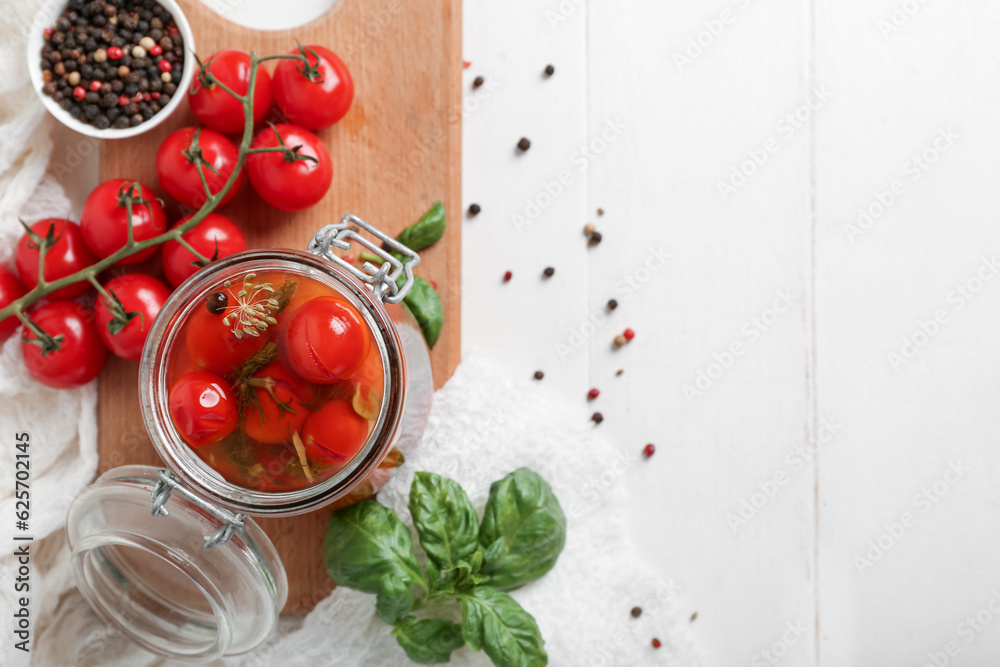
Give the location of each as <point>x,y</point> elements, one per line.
<point>214,237</point>
<point>141,297</point>
<point>11,289</point>
<point>104,220</point>
<point>80,355</point>
<point>177,162</point>
<point>290,183</point>
<point>67,255</point>
<point>203,408</point>
<point>315,103</point>
<point>325,341</point>
<point>277,412</point>
<point>334,434</point>
<point>213,346</point>
<point>216,108</point>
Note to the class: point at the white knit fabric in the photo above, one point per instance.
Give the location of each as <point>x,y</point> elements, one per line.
<point>62,424</point>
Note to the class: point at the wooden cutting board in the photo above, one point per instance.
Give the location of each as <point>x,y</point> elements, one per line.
<point>396,152</point>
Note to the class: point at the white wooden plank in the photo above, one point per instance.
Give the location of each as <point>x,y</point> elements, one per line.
<point>526,211</point>
<point>906,74</point>
<point>689,125</point>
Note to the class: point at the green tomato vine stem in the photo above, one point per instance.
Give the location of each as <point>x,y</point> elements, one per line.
<point>19,307</point>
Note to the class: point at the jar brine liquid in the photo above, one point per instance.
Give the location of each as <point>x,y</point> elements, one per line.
<point>275,381</point>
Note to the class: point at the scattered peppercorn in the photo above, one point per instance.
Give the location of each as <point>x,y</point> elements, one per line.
<point>524,144</point>
<point>600,211</point>
<point>507,276</point>
<point>466,64</point>
<point>589,229</point>
<point>620,340</point>
<point>619,371</point>
<point>593,393</point>
<point>595,238</point>
<point>549,272</point>
<point>597,417</point>
<point>649,450</point>
<point>549,70</point>
<point>477,82</point>
<point>629,334</point>
<point>474,210</point>
<point>612,304</point>
<point>217,302</point>
<point>694,617</point>
<point>636,612</point>
<point>539,375</point>
<point>656,643</point>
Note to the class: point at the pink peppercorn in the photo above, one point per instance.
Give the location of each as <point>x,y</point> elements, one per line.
<point>656,643</point>
<point>507,276</point>
<point>155,50</point>
<point>649,450</point>
<point>79,93</point>
<point>94,86</point>
<point>165,66</point>
<point>115,53</point>
<point>593,393</point>
<point>629,334</point>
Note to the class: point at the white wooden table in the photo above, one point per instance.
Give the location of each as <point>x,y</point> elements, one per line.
<point>800,225</point>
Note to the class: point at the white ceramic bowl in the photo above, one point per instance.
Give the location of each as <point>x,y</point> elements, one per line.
<point>47,16</point>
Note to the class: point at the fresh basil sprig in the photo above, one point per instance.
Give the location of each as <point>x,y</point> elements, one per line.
<point>425,306</point>
<point>423,301</point>
<point>424,232</point>
<point>368,548</point>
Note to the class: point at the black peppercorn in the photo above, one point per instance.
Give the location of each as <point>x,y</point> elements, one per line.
<point>217,303</point>
<point>474,210</point>
<point>524,144</point>
<point>636,612</point>
<point>549,272</point>
<point>549,70</point>
<point>597,417</point>
<point>612,304</point>
<point>595,238</point>
<point>478,81</point>
<point>539,375</point>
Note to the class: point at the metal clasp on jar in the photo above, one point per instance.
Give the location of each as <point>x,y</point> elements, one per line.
<point>384,280</point>
<point>167,484</point>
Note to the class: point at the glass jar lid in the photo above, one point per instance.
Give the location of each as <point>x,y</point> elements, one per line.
<point>187,581</point>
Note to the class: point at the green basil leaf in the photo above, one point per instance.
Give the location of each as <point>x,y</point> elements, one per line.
<point>428,642</point>
<point>445,519</point>
<point>524,512</point>
<point>425,306</point>
<point>495,554</point>
<point>365,542</point>
<point>493,621</point>
<point>394,599</point>
<point>426,231</point>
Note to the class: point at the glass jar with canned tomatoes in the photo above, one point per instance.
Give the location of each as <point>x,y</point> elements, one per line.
<point>273,382</point>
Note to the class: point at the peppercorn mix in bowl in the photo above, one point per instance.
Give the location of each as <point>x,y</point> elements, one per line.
<point>110,68</point>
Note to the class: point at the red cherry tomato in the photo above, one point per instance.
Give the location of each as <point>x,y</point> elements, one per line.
<point>290,185</point>
<point>142,297</point>
<point>67,255</point>
<point>178,171</point>
<point>203,408</point>
<point>326,341</point>
<point>334,434</point>
<point>104,219</point>
<point>213,346</point>
<point>80,356</point>
<point>313,104</point>
<point>219,110</point>
<point>11,289</point>
<point>278,411</point>
<point>214,237</point>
